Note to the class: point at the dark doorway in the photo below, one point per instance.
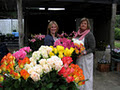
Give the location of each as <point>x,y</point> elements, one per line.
<point>38,23</point>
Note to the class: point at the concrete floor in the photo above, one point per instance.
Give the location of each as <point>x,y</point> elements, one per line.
<point>106,80</point>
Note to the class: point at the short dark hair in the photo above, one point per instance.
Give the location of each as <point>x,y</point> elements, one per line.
<point>87,20</point>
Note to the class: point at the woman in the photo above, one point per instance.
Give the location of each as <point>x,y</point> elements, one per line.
<point>86,60</point>
<point>51,33</point>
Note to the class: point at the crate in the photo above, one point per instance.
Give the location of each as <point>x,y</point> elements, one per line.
<point>103,67</point>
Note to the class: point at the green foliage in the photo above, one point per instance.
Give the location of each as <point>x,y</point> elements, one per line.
<point>117,33</point>
<point>50,81</point>
<point>117,24</point>
<point>117,44</point>
<point>21,84</point>
<point>9,35</point>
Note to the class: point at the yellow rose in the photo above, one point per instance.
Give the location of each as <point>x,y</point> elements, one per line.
<point>60,55</point>
<point>0,70</point>
<point>72,49</point>
<point>1,78</point>
<point>67,52</point>
<point>55,50</point>
<point>51,54</point>
<point>60,48</point>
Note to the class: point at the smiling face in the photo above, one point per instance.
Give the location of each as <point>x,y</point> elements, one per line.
<point>53,29</point>
<point>84,25</point>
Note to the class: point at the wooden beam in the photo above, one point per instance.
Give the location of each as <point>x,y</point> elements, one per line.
<point>20,23</point>
<point>113,19</point>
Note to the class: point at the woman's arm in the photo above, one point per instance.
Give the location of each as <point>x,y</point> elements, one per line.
<point>90,47</point>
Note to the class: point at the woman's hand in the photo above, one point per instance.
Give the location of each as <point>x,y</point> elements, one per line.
<point>83,53</point>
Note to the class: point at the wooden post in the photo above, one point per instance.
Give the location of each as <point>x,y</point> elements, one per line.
<point>113,19</point>
<point>20,23</point>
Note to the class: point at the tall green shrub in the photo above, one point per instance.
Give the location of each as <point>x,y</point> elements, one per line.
<point>117,24</point>
<point>117,33</point>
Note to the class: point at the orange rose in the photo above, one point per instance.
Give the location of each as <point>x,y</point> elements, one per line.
<point>24,74</point>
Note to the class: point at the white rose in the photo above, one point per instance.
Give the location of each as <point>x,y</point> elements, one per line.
<point>33,63</point>
<point>50,62</point>
<point>31,70</point>
<point>36,55</point>
<point>38,69</point>
<point>44,54</point>
<point>75,40</point>
<point>55,58</point>
<point>32,59</point>
<point>27,66</point>
<point>43,61</point>
<point>46,68</point>
<point>49,49</point>
<point>35,76</point>
<point>58,65</point>
<point>42,48</point>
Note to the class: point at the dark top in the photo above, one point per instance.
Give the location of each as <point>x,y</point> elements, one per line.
<point>89,43</point>
<point>49,40</point>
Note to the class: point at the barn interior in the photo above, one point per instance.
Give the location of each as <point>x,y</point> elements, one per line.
<point>35,20</point>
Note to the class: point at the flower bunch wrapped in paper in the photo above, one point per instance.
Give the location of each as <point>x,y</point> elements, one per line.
<point>79,46</point>
<point>42,70</point>
<point>75,46</point>
<point>36,41</point>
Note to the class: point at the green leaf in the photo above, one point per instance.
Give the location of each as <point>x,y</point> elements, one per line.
<point>16,84</point>
<point>6,88</point>
<point>49,85</point>
<point>63,87</point>
<point>29,88</point>
<point>43,88</point>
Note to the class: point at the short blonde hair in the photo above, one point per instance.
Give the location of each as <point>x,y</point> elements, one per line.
<point>50,25</point>
<point>88,22</point>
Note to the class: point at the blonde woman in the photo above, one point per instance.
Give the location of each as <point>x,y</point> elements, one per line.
<point>51,36</point>
<point>86,60</point>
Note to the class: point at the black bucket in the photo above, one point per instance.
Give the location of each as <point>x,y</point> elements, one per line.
<point>3,50</point>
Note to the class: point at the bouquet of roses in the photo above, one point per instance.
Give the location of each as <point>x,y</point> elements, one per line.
<point>79,46</point>
<point>36,41</point>
<point>11,69</point>
<point>41,71</point>
<point>76,46</point>
<point>65,42</point>
<point>63,47</point>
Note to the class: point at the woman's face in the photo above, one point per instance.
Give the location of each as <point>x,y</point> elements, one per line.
<point>53,29</point>
<point>83,25</point>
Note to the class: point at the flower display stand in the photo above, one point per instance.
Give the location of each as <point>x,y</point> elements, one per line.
<point>115,57</point>
<point>103,67</point>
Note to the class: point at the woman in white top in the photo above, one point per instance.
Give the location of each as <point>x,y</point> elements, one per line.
<point>86,60</point>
